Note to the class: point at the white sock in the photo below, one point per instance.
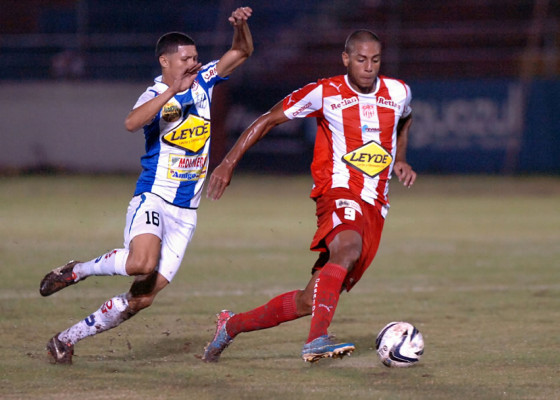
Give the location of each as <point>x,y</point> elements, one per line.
<point>111,314</point>
<point>112,263</point>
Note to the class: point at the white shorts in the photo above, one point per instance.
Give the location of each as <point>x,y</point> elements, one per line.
<point>148,213</point>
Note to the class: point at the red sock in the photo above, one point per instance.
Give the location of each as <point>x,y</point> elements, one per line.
<point>280,309</point>
<point>325,299</point>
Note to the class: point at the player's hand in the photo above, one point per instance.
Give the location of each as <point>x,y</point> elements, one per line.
<point>185,81</point>
<point>405,173</point>
<point>219,181</point>
<point>240,15</point>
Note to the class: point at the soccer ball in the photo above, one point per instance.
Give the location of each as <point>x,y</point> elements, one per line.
<point>399,345</point>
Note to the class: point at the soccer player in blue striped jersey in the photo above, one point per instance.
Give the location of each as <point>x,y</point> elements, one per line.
<point>161,218</point>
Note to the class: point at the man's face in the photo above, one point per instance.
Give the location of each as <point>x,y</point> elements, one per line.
<point>175,64</point>
<point>362,64</point>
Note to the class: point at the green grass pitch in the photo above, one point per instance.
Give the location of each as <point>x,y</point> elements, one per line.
<point>472,261</point>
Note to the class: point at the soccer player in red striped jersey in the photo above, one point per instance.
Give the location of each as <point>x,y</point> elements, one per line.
<point>363,120</point>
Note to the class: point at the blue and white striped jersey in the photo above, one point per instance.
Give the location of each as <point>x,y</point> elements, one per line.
<point>178,141</point>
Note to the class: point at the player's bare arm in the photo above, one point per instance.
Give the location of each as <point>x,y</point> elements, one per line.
<point>402,169</point>
<point>221,176</point>
<point>242,45</point>
<point>142,115</point>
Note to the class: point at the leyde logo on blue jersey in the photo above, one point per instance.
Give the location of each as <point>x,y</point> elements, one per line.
<point>370,159</point>
<point>191,135</point>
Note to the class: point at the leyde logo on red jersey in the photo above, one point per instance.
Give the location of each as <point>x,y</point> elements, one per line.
<point>370,159</point>
<point>191,135</point>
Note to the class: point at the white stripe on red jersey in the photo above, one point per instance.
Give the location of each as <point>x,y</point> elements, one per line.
<point>347,120</point>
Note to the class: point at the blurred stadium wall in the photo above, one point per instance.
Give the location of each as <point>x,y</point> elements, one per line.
<point>485,76</point>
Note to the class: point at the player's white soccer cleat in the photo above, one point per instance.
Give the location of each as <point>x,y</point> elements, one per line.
<point>59,352</point>
<point>221,340</point>
<point>323,347</point>
<point>58,279</point>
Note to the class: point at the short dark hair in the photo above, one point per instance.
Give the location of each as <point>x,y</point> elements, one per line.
<point>360,35</point>
<point>170,42</point>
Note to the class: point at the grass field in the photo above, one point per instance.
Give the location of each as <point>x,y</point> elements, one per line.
<point>473,262</point>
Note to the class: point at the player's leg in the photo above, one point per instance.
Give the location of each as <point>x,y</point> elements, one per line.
<point>282,308</point>
<point>344,251</point>
<point>326,285</point>
<point>122,262</point>
<point>144,224</point>
<point>110,315</point>
<point>291,305</point>
<point>339,238</point>
<point>146,248</point>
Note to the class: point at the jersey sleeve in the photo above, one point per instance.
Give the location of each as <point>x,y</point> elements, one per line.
<point>407,109</point>
<point>304,102</point>
<point>209,74</point>
<point>145,97</point>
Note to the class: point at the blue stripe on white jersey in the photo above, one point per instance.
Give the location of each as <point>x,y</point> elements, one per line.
<point>178,141</point>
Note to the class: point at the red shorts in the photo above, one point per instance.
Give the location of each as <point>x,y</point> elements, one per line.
<point>339,210</point>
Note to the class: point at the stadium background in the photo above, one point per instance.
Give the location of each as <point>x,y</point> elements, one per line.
<point>485,76</point>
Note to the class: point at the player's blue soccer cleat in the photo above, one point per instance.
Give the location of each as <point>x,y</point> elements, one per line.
<point>221,340</point>
<point>323,347</point>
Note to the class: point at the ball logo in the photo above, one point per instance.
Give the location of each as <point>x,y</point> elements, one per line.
<point>399,345</point>
<point>171,112</point>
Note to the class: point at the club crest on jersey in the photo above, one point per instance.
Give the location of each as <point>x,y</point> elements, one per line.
<point>368,110</point>
<point>190,135</point>
<point>370,159</point>
<point>195,85</point>
<point>171,112</point>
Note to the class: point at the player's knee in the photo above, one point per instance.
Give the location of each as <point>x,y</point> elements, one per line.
<point>353,252</point>
<point>345,249</point>
<point>346,255</point>
<point>141,265</point>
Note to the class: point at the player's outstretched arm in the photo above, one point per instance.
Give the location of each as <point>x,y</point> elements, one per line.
<point>402,169</point>
<point>242,45</point>
<point>221,176</point>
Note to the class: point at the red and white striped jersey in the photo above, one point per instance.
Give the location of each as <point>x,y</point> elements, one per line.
<point>356,140</point>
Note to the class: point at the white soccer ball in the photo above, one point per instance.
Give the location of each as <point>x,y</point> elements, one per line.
<point>399,345</point>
